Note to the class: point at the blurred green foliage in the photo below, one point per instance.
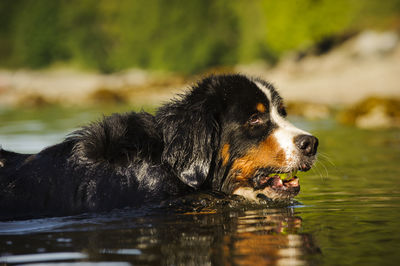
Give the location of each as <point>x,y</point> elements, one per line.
<point>174,35</point>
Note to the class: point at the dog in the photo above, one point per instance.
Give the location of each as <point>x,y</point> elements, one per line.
<point>227,133</point>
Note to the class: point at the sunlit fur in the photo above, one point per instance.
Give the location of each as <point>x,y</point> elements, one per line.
<point>284,134</point>
<point>226,133</point>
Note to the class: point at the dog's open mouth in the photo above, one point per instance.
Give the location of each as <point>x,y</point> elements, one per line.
<point>276,185</point>
<point>282,181</point>
<point>269,185</point>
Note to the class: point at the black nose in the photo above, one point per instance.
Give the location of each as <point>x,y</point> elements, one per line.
<point>307,144</point>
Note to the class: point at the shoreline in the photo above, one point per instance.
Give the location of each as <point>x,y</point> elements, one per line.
<point>363,67</point>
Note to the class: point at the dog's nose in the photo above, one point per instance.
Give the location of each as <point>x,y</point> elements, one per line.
<point>307,144</point>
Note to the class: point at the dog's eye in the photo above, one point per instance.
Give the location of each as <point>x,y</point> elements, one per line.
<point>282,110</point>
<point>255,120</point>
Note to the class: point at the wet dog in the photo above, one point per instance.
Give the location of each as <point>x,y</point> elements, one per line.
<point>228,133</point>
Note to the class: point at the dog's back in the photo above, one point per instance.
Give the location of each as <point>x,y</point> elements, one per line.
<point>109,164</point>
<point>27,181</point>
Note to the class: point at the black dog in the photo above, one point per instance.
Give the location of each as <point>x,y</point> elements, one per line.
<point>228,134</point>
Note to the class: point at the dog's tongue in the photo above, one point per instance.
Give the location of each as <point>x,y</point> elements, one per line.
<point>270,181</point>
<point>276,182</point>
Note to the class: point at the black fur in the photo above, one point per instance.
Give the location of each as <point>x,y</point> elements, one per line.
<point>127,159</point>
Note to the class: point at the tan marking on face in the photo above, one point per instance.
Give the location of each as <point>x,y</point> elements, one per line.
<point>261,108</point>
<point>267,154</point>
<point>225,154</point>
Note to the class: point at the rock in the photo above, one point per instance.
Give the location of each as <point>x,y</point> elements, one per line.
<point>308,110</point>
<point>34,100</point>
<point>373,113</point>
<point>372,43</point>
<point>375,118</point>
<point>108,96</point>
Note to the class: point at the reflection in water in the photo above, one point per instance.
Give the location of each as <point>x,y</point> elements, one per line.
<point>268,237</point>
<point>60,256</point>
<point>249,237</point>
<point>254,237</point>
<point>225,236</point>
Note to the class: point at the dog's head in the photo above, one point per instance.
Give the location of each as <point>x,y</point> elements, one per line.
<point>230,132</point>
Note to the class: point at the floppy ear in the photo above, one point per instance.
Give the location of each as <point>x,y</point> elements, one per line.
<point>190,135</point>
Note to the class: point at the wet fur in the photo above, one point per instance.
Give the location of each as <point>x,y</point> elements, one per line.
<point>128,159</point>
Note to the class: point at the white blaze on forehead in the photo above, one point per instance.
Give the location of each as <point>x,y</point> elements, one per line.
<point>264,89</point>
<point>285,132</point>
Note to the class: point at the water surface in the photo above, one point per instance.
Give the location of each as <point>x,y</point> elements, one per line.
<point>347,212</point>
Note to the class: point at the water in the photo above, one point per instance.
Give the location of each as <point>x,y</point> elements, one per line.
<point>348,211</point>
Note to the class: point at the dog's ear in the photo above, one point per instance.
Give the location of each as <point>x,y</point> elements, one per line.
<point>190,135</point>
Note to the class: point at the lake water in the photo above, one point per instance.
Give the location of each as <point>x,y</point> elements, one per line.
<point>347,213</point>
